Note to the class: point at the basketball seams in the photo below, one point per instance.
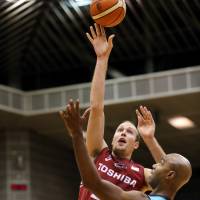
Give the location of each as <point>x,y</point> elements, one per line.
<point>108,13</point>
<point>110,10</point>
<point>114,20</point>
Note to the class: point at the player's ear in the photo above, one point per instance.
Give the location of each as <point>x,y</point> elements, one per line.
<point>171,174</point>
<point>136,145</point>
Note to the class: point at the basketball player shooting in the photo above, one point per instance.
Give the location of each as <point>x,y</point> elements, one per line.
<point>167,177</point>
<point>115,165</point>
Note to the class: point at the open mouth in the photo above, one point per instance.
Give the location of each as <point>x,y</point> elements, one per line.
<point>122,140</point>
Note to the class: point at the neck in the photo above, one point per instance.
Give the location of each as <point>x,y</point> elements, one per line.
<point>169,193</point>
<point>121,155</point>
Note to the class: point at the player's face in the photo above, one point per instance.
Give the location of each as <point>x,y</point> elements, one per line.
<point>159,173</point>
<point>125,138</point>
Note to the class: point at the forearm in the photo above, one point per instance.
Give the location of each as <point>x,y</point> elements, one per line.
<point>98,83</point>
<point>95,140</point>
<point>155,149</point>
<point>86,167</point>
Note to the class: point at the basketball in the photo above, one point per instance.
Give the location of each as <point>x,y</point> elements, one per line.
<point>108,13</point>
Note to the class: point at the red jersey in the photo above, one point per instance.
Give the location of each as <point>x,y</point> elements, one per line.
<point>122,172</point>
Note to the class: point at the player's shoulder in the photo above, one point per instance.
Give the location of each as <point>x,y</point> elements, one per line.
<point>137,165</point>
<point>138,170</point>
<point>104,153</point>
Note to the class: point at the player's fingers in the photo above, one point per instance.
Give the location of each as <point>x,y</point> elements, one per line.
<point>139,117</point>
<point>77,106</point>
<point>143,112</point>
<point>138,113</point>
<point>148,113</point>
<point>92,32</point>
<point>150,116</point>
<point>89,37</point>
<point>103,33</point>
<point>110,40</point>
<point>68,110</point>
<point>72,106</point>
<point>97,28</point>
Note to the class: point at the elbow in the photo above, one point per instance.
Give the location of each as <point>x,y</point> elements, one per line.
<point>91,184</point>
<point>87,183</point>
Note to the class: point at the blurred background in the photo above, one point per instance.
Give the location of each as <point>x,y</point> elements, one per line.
<point>45,59</point>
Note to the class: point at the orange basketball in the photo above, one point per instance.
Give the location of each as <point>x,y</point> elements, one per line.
<point>108,13</point>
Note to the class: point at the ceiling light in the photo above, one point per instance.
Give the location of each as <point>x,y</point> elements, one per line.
<point>181,122</point>
<point>19,1</point>
<point>81,2</point>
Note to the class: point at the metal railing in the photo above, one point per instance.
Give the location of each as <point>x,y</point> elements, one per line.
<point>127,89</point>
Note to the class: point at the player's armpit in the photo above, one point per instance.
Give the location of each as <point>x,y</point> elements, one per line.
<point>95,134</point>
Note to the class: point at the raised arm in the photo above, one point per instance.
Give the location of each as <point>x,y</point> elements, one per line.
<point>146,128</point>
<point>95,129</point>
<point>101,188</point>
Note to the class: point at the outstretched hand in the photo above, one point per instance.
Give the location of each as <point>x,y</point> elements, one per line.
<point>97,38</point>
<point>146,124</point>
<point>72,119</point>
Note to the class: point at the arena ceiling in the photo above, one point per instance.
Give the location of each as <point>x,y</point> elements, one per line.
<point>43,42</point>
